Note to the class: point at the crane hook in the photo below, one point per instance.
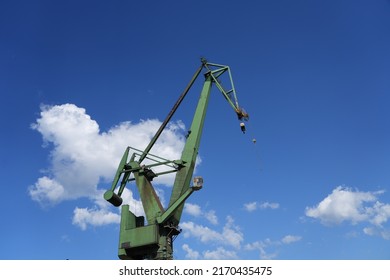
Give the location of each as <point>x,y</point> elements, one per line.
<point>243,128</point>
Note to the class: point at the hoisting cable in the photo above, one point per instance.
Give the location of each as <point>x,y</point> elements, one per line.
<point>255,147</point>
<point>168,118</point>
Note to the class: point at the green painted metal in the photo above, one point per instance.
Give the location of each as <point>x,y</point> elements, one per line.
<point>190,151</point>
<point>174,207</point>
<point>136,241</point>
<point>149,198</point>
<point>154,240</point>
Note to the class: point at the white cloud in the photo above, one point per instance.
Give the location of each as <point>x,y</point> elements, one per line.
<point>252,206</point>
<point>100,214</point>
<point>266,245</point>
<point>196,211</point>
<point>348,205</point>
<point>343,204</point>
<point>81,157</point>
<point>261,246</point>
<point>369,231</point>
<point>228,242</point>
<point>211,217</point>
<point>379,213</point>
<point>97,217</point>
<point>288,239</point>
<point>271,205</point>
<point>231,234</point>
<point>377,231</point>
<point>46,189</point>
<point>190,253</point>
<point>220,254</point>
<point>135,205</point>
<point>192,209</point>
<point>203,233</point>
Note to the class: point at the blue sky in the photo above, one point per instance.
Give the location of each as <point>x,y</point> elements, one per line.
<point>81,80</point>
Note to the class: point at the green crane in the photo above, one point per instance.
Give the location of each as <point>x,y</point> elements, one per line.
<point>154,239</point>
